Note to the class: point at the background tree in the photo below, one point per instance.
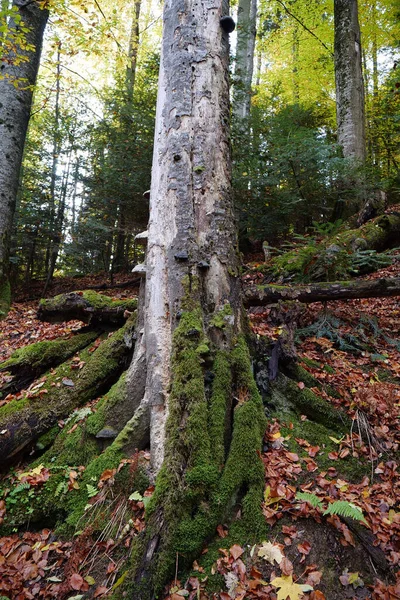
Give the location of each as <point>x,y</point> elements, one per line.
<point>18,76</point>
<point>349,80</point>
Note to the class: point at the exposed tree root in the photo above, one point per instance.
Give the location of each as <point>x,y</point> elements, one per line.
<point>31,361</point>
<point>23,421</point>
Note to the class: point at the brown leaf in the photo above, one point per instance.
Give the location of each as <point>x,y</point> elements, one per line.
<point>222,532</point>
<point>236,551</point>
<point>314,578</point>
<point>100,591</point>
<point>76,581</point>
<point>286,566</point>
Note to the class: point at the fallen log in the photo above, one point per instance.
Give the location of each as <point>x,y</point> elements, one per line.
<point>335,254</point>
<point>33,360</point>
<point>22,421</point>
<point>87,306</point>
<point>322,292</point>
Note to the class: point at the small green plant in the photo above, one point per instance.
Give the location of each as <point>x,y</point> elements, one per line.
<point>327,229</point>
<point>342,508</point>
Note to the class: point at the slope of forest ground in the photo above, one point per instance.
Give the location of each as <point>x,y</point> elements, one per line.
<point>349,356</point>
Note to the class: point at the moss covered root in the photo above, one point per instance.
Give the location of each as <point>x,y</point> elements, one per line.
<point>219,460</point>
<point>31,361</point>
<point>24,420</point>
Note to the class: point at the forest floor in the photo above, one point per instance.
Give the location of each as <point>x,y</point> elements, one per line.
<point>352,348</point>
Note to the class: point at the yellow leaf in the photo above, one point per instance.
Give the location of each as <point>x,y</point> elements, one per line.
<point>336,440</point>
<point>35,471</point>
<point>287,588</point>
<point>276,435</point>
<point>353,577</point>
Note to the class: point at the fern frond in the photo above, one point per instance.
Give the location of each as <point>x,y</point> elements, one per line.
<point>61,488</point>
<point>91,490</point>
<point>20,487</point>
<point>310,498</point>
<point>345,509</point>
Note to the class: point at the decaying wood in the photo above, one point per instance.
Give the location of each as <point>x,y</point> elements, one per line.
<point>77,305</point>
<point>23,421</point>
<point>33,360</point>
<point>322,292</point>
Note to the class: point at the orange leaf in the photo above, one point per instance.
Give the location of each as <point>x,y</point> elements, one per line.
<point>236,551</point>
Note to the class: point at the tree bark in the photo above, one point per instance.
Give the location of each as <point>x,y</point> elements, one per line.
<point>88,307</point>
<point>349,80</point>
<point>322,292</point>
<point>15,107</point>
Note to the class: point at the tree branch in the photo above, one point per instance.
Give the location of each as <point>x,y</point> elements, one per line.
<point>304,26</point>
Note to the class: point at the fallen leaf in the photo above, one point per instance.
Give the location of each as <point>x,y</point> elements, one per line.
<point>236,551</point>
<point>76,581</point>
<point>287,587</point>
<point>271,553</point>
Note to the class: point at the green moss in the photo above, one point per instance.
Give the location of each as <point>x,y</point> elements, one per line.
<point>244,470</point>
<point>220,404</point>
<point>319,435</point>
<point>42,355</point>
<point>313,364</point>
<point>298,373</point>
<point>222,317</point>
<point>47,438</point>
<point>293,262</point>
<point>106,406</point>
<point>5,298</point>
<point>286,396</point>
<point>97,301</point>
<point>78,499</point>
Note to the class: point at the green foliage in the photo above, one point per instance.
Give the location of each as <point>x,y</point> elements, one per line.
<point>294,174</point>
<point>342,508</point>
<point>310,498</point>
<point>367,261</point>
<point>345,509</point>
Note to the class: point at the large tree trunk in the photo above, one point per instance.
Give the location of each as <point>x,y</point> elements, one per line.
<point>192,309</point>
<point>15,107</point>
<point>349,80</point>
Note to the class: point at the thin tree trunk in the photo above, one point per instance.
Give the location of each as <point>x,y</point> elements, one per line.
<point>54,240</point>
<point>246,37</point>
<point>58,225</point>
<point>15,110</point>
<point>295,64</point>
<point>74,194</point>
<point>133,51</point>
<point>349,80</point>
